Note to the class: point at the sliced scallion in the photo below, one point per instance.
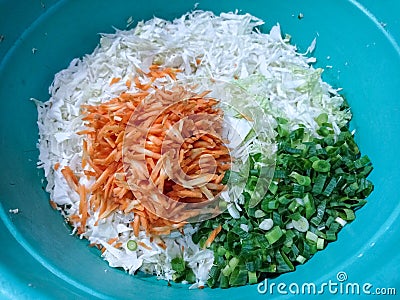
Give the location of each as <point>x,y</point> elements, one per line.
<point>316,187</point>
<point>301,224</point>
<point>266,224</point>
<point>320,244</point>
<point>341,221</point>
<point>274,234</point>
<point>311,236</point>
<point>132,245</point>
<point>301,259</point>
<point>321,119</point>
<point>321,166</point>
<point>252,277</point>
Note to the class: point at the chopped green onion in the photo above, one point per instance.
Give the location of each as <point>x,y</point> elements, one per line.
<point>259,214</point>
<point>274,235</point>
<point>294,205</point>
<point>190,276</point>
<point>311,236</point>
<point>334,226</point>
<point>301,259</point>
<point>233,262</point>
<point>329,221</point>
<point>280,174</point>
<point>330,236</point>
<point>132,245</point>
<point>214,273</point>
<point>238,277</point>
<point>273,187</point>
<point>309,205</point>
<point>321,166</point>
<point>287,148</point>
<point>341,221</point>
<point>302,180</point>
<point>221,251</point>
<point>252,277</point>
<point>298,190</point>
<point>324,131</point>
<point>284,264</point>
<point>297,134</point>
<point>227,270</point>
<point>269,205</point>
<point>320,244</point>
<point>349,214</point>
<point>266,224</point>
<point>316,187</point>
<point>319,184</point>
<point>321,119</point>
<point>178,264</point>
<point>330,187</point>
<point>225,179</point>
<point>301,224</point>
<point>223,281</point>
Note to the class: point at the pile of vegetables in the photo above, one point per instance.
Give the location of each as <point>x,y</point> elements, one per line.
<point>139,136</point>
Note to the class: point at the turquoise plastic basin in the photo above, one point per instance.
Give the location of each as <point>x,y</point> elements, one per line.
<point>38,256</point>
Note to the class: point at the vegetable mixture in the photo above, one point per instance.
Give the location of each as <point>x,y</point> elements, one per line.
<point>201,150</point>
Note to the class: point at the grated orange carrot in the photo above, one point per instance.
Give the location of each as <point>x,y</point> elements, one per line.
<point>53,204</point>
<point>112,240</point>
<point>136,225</point>
<point>212,237</point>
<point>115,80</point>
<point>162,245</point>
<point>70,178</point>
<point>140,243</point>
<point>128,84</point>
<point>103,143</point>
<point>82,206</point>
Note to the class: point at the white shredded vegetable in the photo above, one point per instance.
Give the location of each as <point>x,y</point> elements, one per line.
<point>257,76</point>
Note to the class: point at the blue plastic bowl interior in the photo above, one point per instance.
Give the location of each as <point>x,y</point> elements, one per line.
<point>40,259</point>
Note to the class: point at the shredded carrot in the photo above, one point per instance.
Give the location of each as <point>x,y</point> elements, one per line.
<point>56,166</point>
<point>85,131</point>
<point>74,218</point>
<point>53,204</point>
<point>136,225</point>
<point>89,173</point>
<point>128,84</point>
<point>70,178</point>
<point>140,243</point>
<point>212,237</point>
<point>170,122</point>
<point>112,240</point>
<point>115,80</point>
<point>162,245</point>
